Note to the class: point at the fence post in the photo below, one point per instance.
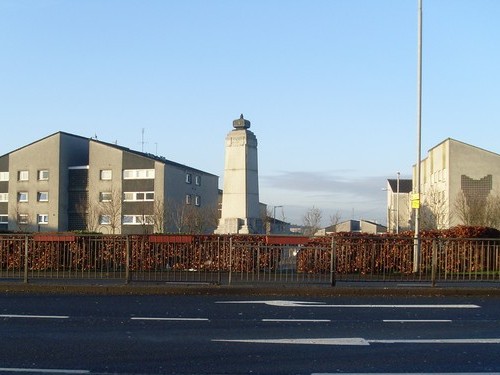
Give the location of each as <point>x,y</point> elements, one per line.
<point>332,263</point>
<point>26,259</point>
<point>127,260</point>
<point>434,263</point>
<point>230,259</point>
<point>218,261</point>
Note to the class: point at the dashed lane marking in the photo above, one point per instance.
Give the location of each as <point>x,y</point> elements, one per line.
<point>171,319</point>
<point>43,370</point>
<point>34,316</point>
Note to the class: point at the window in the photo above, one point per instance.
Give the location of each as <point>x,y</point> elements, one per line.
<point>22,196</point>
<point>42,196</point>
<point>188,199</point>
<point>23,218</point>
<point>105,196</point>
<point>104,219</point>
<point>42,219</point>
<point>4,176</point>
<point>43,175</point>
<point>135,174</point>
<point>188,178</point>
<point>138,220</point>
<point>106,174</point>
<point>4,197</point>
<point>23,176</point>
<point>197,200</point>
<point>138,196</point>
<point>4,219</point>
<point>197,180</point>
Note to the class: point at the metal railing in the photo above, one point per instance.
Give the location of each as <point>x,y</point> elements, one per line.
<point>246,259</point>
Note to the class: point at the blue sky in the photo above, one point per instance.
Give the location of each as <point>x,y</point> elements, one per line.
<point>329,86</point>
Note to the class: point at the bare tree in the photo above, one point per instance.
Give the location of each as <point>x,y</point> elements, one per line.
<point>434,209</point>
<point>159,216</point>
<point>110,210</point>
<point>477,211</point>
<point>335,218</point>
<point>312,221</point>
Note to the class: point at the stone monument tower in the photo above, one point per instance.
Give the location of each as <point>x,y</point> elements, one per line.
<point>240,199</point>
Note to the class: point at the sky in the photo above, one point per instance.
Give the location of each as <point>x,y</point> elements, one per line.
<point>330,86</point>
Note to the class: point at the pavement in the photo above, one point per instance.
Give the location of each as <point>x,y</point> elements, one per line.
<point>341,288</point>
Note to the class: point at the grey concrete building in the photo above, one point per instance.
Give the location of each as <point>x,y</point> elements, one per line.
<point>68,182</point>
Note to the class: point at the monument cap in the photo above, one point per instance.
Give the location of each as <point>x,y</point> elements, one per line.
<point>241,123</point>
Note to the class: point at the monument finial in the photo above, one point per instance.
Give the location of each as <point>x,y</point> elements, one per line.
<point>241,123</point>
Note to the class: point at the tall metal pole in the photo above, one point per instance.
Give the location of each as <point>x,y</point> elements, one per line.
<point>416,198</point>
<point>397,204</point>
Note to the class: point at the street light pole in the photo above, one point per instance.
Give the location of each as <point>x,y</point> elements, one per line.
<point>416,198</point>
<point>397,204</point>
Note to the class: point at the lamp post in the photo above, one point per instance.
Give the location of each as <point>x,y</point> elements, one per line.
<point>416,197</point>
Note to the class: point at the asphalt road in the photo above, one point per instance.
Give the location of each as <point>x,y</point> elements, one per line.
<point>73,334</point>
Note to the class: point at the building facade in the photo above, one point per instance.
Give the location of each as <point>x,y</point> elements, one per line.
<point>354,226</point>
<point>67,182</point>
<point>398,204</point>
<point>459,185</point>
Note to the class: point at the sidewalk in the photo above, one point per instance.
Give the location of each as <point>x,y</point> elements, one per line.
<point>342,288</point>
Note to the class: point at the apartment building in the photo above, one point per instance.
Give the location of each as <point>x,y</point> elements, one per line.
<point>67,182</point>
<point>456,176</point>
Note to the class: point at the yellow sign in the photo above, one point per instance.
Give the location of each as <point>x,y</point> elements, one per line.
<point>415,201</point>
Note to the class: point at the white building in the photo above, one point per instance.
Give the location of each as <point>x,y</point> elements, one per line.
<point>456,177</point>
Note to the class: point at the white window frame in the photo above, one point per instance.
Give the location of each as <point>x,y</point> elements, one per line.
<point>43,175</point>
<point>137,220</point>
<point>23,175</point>
<point>23,196</point>
<point>197,200</point>
<point>4,219</point>
<point>42,219</point>
<point>105,196</point>
<point>104,219</point>
<point>134,196</point>
<point>42,196</point>
<point>4,176</point>
<point>23,218</point>
<point>189,178</point>
<point>4,197</point>
<point>188,199</point>
<point>197,180</point>
<point>106,174</point>
<point>138,174</point>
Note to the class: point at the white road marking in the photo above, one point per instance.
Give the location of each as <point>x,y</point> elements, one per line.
<point>417,321</point>
<point>298,320</point>
<point>34,316</point>
<point>171,319</point>
<point>326,341</point>
<point>360,341</point>
<point>285,303</point>
<point>43,370</point>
